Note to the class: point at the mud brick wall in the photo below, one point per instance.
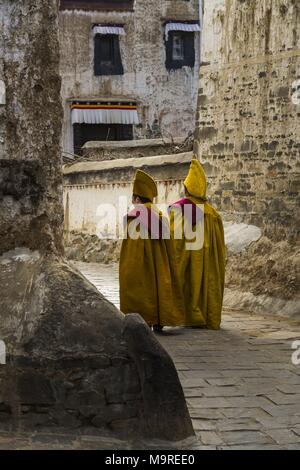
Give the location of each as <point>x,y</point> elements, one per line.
<point>248,120</point>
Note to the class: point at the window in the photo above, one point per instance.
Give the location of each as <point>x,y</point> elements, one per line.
<point>180,50</point>
<point>107,59</point>
<point>178,47</point>
<point>100,132</point>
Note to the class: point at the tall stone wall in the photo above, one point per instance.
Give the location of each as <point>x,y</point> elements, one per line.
<point>248,126</point>
<point>30,175</point>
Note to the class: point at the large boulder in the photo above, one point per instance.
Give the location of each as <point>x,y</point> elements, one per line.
<point>75,361</point>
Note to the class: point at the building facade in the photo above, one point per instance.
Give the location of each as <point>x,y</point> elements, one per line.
<point>129,69</point>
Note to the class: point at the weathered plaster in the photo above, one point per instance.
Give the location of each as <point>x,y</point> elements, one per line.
<point>30,175</point>
<point>167,100</point>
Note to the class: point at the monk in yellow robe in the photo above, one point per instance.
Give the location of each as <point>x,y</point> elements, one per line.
<point>201,257</point>
<point>149,283</point>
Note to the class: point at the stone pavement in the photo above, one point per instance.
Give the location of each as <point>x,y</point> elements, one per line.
<point>241,386</point>
<point>242,389</point>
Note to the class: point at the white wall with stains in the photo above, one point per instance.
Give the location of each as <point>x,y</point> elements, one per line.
<point>97,195</point>
<point>166,100</point>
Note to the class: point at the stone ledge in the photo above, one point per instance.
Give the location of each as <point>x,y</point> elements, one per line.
<point>131,144</point>
<point>262,304</point>
<point>89,167</point>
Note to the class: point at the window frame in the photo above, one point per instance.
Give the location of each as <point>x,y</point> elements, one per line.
<point>177,34</point>
<point>100,67</point>
<point>189,50</point>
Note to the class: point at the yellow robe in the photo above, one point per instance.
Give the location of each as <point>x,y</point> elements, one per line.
<point>149,283</point>
<point>202,272</point>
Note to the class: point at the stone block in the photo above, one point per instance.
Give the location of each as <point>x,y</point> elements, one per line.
<point>65,348</point>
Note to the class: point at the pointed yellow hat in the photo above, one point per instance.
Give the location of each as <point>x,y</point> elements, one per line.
<point>144,185</point>
<point>195,181</point>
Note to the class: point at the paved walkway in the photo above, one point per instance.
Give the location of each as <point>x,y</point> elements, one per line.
<point>241,386</point>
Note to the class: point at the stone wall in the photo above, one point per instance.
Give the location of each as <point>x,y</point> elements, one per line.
<point>30,175</point>
<point>97,195</point>
<point>248,127</point>
<point>166,100</point>
<point>112,150</point>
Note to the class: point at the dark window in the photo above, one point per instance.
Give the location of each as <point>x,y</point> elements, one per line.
<point>107,60</point>
<point>180,50</point>
<point>96,132</point>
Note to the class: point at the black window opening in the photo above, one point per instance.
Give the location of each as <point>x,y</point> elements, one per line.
<point>107,58</point>
<point>100,132</point>
<point>180,50</point>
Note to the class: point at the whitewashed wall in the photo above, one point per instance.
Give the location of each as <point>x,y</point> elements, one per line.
<point>92,190</point>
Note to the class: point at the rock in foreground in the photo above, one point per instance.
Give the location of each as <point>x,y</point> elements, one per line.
<point>75,361</point>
